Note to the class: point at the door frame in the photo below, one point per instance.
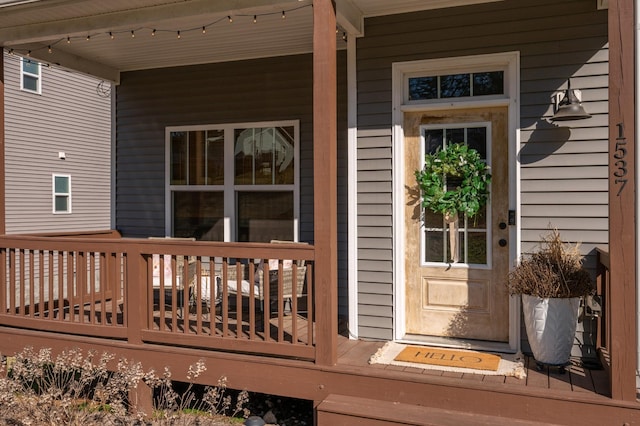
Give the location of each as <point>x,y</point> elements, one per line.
<point>510,63</point>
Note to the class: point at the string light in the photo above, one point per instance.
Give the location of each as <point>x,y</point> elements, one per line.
<point>203,28</point>
<point>29,54</point>
<point>10,51</point>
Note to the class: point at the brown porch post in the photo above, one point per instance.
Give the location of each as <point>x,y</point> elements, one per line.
<point>325,179</point>
<point>622,200</point>
<point>3,228</point>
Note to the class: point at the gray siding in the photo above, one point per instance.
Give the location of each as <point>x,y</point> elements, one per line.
<point>69,116</point>
<point>246,91</point>
<point>564,172</point>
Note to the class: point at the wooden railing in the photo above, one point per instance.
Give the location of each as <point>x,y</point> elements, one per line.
<point>602,289</point>
<point>222,296</point>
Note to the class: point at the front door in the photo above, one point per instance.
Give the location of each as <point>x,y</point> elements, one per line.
<point>467,299</point>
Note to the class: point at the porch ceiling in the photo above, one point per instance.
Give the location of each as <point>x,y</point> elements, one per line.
<point>104,38</point>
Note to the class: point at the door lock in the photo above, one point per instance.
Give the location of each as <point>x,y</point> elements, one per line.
<point>502,242</point>
<point>502,225</point>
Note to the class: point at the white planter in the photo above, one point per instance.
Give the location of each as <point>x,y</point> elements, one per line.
<point>551,327</point>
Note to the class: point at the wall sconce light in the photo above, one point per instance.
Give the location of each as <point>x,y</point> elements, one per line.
<point>568,105</point>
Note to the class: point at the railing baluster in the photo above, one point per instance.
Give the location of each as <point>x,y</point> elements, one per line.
<point>32,284</point>
<point>21,271</point>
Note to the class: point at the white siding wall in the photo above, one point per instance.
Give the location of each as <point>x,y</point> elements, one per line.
<point>69,116</point>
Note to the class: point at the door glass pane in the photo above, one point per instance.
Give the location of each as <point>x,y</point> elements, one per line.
<point>265,216</point>
<point>198,214</point>
<point>472,232</point>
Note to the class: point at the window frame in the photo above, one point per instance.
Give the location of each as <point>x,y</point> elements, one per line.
<point>229,187</point>
<point>56,194</point>
<point>37,77</point>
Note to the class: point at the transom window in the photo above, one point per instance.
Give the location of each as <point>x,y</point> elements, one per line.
<point>429,87</point>
<point>61,194</point>
<point>234,182</point>
<point>472,232</point>
<point>30,76</point>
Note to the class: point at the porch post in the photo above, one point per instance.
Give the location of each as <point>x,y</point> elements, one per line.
<point>622,200</point>
<point>325,179</point>
<point>3,228</point>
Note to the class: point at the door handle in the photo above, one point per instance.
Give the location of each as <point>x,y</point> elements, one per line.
<point>502,242</point>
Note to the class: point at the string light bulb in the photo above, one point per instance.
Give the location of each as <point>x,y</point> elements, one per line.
<point>88,37</point>
<point>153,33</point>
<point>255,18</point>
<point>68,40</point>
<point>133,34</point>
<point>230,19</point>
<point>11,52</point>
<point>179,35</point>
<point>204,30</point>
<point>29,54</point>
<point>283,15</point>
<point>111,35</point>
<point>49,47</point>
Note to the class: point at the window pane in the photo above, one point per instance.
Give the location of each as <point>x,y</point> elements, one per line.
<point>265,216</point>
<point>30,83</point>
<point>62,203</point>
<point>61,185</point>
<point>199,215</point>
<point>215,157</point>
<point>423,88</point>
<point>197,164</point>
<point>31,67</point>
<point>179,158</point>
<point>454,136</point>
<point>264,156</point>
<point>455,86</point>
<point>488,83</point>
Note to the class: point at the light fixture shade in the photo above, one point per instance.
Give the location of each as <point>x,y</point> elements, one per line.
<point>570,108</point>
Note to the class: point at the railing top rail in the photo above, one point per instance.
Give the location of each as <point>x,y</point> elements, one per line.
<point>162,246</point>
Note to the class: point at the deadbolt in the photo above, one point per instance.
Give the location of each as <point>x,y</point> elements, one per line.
<point>502,225</point>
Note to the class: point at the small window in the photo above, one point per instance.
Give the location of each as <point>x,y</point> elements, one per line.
<point>30,76</point>
<point>423,88</point>
<point>61,194</point>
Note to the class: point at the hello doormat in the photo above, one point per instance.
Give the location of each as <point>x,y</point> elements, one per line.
<point>449,357</point>
<point>456,360</point>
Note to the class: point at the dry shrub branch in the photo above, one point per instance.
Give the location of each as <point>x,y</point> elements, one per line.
<point>555,270</point>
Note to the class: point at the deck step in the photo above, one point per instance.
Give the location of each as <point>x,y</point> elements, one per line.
<point>337,410</point>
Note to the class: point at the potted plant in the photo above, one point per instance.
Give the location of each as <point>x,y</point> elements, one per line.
<point>551,281</point>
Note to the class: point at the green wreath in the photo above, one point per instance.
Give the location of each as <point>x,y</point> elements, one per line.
<point>457,162</point>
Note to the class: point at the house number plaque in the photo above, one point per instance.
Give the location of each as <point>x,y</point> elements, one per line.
<point>619,160</point>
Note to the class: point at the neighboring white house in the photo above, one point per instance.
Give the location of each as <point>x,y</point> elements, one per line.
<point>57,148</point>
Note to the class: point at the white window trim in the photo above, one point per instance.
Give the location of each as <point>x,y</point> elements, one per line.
<point>38,76</point>
<point>55,194</point>
<point>510,62</point>
<point>230,188</point>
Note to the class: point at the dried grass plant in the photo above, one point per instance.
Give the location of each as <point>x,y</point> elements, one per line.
<point>74,388</point>
<point>555,270</point>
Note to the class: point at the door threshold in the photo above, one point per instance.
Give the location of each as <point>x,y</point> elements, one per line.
<point>448,342</point>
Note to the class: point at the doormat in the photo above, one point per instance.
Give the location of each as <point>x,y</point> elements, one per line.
<point>455,360</point>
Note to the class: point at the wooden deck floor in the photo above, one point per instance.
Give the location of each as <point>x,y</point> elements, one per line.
<point>577,378</point>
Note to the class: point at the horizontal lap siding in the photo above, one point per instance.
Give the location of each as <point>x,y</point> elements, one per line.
<point>269,89</point>
<point>71,116</point>
<point>563,172</point>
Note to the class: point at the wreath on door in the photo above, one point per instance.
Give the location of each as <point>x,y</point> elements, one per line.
<point>454,180</point>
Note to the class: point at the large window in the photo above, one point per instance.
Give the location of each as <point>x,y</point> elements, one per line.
<point>30,76</point>
<point>61,194</point>
<point>233,182</point>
